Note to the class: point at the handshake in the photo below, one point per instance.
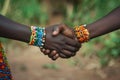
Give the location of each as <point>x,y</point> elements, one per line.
<point>59,40</point>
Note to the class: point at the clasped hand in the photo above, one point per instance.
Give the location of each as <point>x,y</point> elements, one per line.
<point>60,42</point>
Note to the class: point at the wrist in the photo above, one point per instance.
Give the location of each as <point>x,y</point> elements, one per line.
<point>37,37</point>
<point>93,30</point>
<point>88,27</point>
<point>81,33</point>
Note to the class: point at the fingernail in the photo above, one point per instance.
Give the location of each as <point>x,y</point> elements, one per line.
<point>57,55</point>
<point>47,51</point>
<point>43,50</point>
<point>55,32</point>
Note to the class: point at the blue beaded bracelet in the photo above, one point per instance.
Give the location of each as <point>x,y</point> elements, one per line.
<point>37,36</point>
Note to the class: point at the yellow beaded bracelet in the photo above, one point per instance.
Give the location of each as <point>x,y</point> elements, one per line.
<point>81,33</point>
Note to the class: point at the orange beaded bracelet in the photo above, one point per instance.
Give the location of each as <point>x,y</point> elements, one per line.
<point>81,33</point>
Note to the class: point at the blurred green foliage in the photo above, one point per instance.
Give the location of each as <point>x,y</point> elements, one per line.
<point>83,11</point>
<point>27,12</point>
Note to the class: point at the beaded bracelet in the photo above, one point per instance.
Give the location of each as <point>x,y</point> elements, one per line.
<point>81,33</point>
<point>37,36</point>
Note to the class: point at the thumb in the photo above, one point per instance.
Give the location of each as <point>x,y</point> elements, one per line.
<point>58,30</point>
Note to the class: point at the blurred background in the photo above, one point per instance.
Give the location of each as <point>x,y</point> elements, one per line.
<point>96,60</point>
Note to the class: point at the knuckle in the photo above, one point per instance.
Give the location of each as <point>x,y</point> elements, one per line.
<point>50,56</point>
<point>53,59</point>
<point>62,55</point>
<point>77,48</point>
<point>74,49</point>
<point>73,54</point>
<point>76,43</point>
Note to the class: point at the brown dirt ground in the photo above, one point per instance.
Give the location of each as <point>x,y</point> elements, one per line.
<point>27,62</point>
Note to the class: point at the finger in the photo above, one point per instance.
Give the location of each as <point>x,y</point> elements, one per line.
<point>42,50</point>
<point>70,48</point>
<point>53,53</point>
<point>55,57</point>
<point>47,51</point>
<point>63,55</point>
<point>58,29</point>
<point>67,53</point>
<point>73,54</point>
<point>72,42</point>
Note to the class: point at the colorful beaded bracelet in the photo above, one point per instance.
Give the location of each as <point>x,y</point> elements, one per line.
<point>5,73</point>
<point>81,33</point>
<point>37,36</point>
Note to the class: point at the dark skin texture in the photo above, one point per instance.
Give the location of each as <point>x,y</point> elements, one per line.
<point>107,24</point>
<point>13,30</point>
<point>67,31</point>
<point>60,43</point>
<point>68,47</point>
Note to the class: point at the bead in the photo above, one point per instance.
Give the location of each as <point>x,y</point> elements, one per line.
<point>5,73</point>
<point>81,33</point>
<point>37,36</point>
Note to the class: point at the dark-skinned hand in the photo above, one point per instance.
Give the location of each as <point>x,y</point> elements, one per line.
<point>63,43</point>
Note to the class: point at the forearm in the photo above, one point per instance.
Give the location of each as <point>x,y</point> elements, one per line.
<point>13,30</point>
<point>105,25</point>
